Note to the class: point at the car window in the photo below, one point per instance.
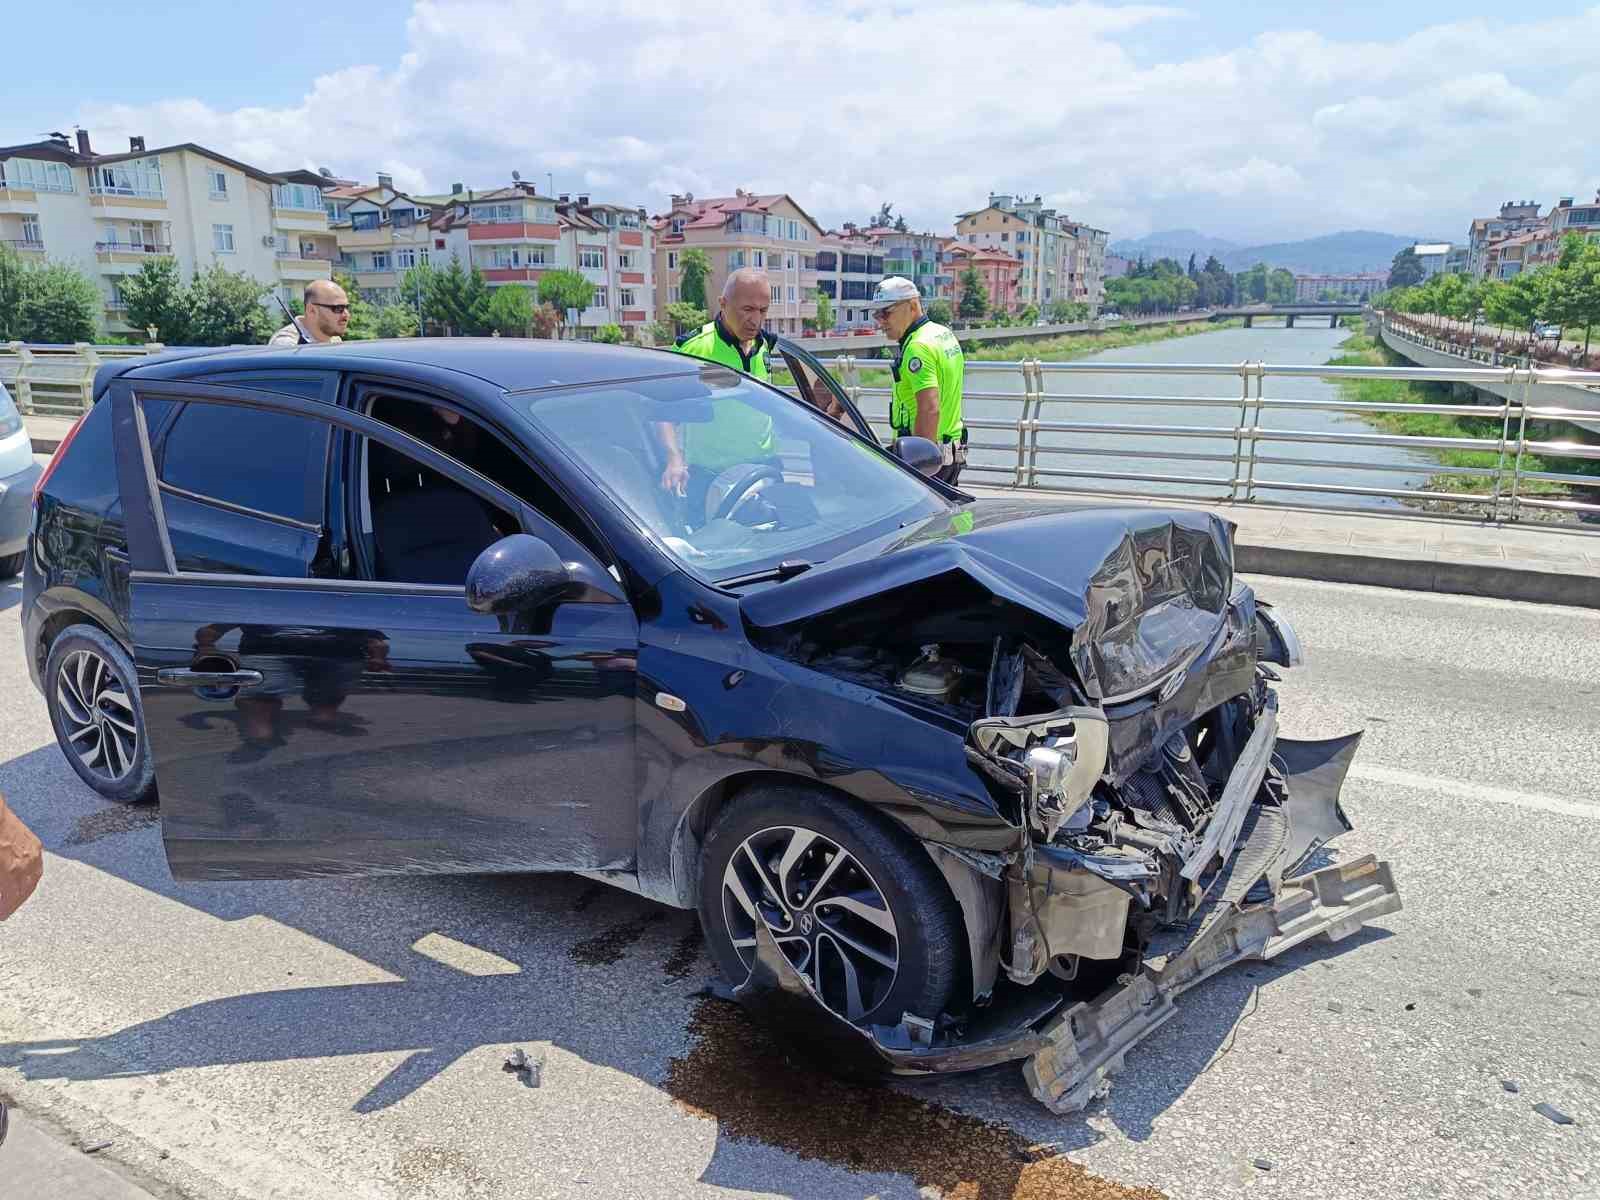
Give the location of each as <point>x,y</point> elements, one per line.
<point>268,462</point>
<point>730,475</point>
<point>471,443</point>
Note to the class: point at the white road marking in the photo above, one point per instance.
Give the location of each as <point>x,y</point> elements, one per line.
<point>1464,790</point>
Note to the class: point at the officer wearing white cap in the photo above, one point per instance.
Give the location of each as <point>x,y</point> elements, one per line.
<point>928,367</point>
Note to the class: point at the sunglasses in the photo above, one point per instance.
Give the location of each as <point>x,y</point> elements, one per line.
<point>338,308</point>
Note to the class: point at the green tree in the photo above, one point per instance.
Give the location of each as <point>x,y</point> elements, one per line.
<point>476,295</point>
<point>611,335</point>
<point>684,317</point>
<point>1066,312</point>
<point>939,311</point>
<point>1280,287</point>
<point>1517,302</point>
<point>417,287</point>
<point>823,321</point>
<point>157,296</point>
<point>446,298</point>
<point>696,268</point>
<point>974,301</point>
<point>395,321</point>
<point>363,324</point>
<point>1252,285</point>
<point>900,225</point>
<point>59,304</point>
<point>13,286</point>
<point>1406,269</point>
<point>1028,315</point>
<point>225,308</point>
<point>1574,289</point>
<point>564,290</point>
<point>511,310</point>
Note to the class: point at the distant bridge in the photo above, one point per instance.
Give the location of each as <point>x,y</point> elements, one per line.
<point>1291,311</point>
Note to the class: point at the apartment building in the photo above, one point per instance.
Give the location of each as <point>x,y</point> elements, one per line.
<point>382,233</point>
<point>1567,219</point>
<point>1516,216</point>
<point>1308,289</point>
<point>913,256</point>
<point>850,262</point>
<point>769,232</point>
<point>999,272</point>
<point>111,213</point>
<point>1060,259</point>
<point>612,246</point>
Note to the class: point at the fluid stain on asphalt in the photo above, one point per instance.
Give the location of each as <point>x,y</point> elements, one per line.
<point>119,818</point>
<point>608,946</point>
<point>686,954</point>
<point>739,1075</point>
<point>590,894</point>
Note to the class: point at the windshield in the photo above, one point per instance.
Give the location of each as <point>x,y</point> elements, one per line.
<point>731,476</point>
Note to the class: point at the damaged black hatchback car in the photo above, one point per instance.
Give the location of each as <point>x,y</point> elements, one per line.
<point>949,781</point>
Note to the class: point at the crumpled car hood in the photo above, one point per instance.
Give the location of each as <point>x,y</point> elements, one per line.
<point>1143,590</point>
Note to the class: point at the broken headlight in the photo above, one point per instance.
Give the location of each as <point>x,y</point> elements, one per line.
<point>1053,760</point>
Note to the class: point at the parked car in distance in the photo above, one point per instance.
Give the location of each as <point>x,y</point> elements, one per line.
<point>1547,331</point>
<point>948,769</point>
<point>18,474</point>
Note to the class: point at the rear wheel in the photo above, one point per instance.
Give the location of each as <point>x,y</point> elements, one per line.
<point>91,690</point>
<point>856,907</point>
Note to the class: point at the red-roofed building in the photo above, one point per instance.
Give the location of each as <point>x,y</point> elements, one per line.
<point>767,232</point>
<point>1000,273</point>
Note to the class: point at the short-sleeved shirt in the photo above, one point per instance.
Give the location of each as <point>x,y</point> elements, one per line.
<point>929,356</point>
<point>736,433</point>
<point>289,335</point>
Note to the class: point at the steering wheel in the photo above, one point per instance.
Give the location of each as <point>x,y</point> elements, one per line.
<point>734,484</point>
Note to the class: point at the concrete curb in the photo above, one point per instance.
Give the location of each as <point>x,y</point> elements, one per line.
<point>1494,580</point>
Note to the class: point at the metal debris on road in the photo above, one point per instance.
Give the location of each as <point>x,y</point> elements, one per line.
<point>1335,1007</point>
<point>95,1147</point>
<point>1264,1164</point>
<point>1511,1085</point>
<point>519,1064</point>
<point>1553,1114</point>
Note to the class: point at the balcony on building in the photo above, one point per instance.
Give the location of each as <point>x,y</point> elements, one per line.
<point>131,188</point>
<point>298,206</point>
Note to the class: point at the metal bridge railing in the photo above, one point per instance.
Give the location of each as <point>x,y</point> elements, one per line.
<point>1031,432</point>
<point>58,381</point>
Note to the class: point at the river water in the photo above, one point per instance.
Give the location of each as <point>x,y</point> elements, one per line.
<point>1270,344</point>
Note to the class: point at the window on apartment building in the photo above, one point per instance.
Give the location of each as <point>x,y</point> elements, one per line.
<point>598,300</point>
<point>346,259</point>
<point>677,224</point>
<point>972,239</point>
<point>735,259</point>
<point>777,294</point>
<point>625,298</point>
<point>827,288</point>
<point>422,256</point>
<point>792,295</point>
<point>624,260</point>
<point>593,259</point>
<point>674,294</point>
<point>135,177</point>
<point>296,195</point>
<point>37,175</point>
<point>788,262</point>
<point>219,184</point>
<point>808,262</point>
<point>30,229</point>
<point>280,245</point>
<point>405,259</point>
<point>794,231</point>
<point>380,260</point>
<point>758,258</point>
<point>364,220</point>
<point>403,218</point>
<point>332,210</point>
<point>222,239</point>
<point>497,214</point>
<point>544,213</point>
<point>1005,237</point>
<point>672,260</point>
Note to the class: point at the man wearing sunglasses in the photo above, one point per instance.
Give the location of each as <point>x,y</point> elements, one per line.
<point>928,367</point>
<point>327,316</point>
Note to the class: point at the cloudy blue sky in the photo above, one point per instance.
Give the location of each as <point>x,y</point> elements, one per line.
<point>1243,119</point>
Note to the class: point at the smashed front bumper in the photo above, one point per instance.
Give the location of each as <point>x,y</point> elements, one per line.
<point>1254,910</point>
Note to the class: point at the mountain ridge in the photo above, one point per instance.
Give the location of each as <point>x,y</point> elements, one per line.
<point>1346,252</point>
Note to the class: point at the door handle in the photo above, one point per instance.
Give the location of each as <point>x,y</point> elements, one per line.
<point>183,677</point>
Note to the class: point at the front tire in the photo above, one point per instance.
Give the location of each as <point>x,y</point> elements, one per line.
<point>92,692</point>
<point>855,905</point>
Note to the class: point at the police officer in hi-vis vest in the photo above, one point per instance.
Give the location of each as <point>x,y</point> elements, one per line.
<point>927,368</point>
<point>737,432</point>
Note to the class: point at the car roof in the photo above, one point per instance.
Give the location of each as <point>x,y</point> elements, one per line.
<point>514,364</point>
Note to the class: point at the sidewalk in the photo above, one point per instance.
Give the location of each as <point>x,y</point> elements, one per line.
<point>35,1164</point>
<point>1401,550</point>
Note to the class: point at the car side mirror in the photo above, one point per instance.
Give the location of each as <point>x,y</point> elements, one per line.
<point>919,454</point>
<point>516,573</point>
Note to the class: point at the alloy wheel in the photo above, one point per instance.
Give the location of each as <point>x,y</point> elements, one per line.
<point>97,715</point>
<point>823,908</point>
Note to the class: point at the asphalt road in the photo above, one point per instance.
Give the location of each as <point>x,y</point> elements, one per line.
<point>345,1039</point>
